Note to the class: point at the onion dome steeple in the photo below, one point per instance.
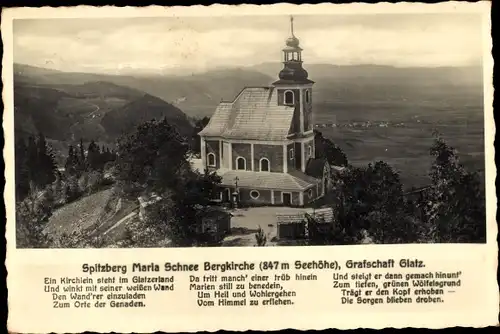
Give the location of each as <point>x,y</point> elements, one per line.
<point>292,71</point>
<point>292,41</point>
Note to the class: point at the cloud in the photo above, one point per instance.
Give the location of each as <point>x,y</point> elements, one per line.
<point>105,45</point>
<point>441,46</point>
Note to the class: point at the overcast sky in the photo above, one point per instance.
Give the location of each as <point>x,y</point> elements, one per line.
<point>167,45</point>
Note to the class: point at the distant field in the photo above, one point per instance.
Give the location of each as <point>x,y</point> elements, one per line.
<point>405,143</point>
<point>85,116</point>
<point>84,106</point>
<point>71,105</point>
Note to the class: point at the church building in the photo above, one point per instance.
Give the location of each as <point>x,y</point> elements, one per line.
<point>262,142</point>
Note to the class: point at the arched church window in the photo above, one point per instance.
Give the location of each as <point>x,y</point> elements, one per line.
<point>308,96</point>
<point>241,163</point>
<point>289,98</point>
<point>264,165</point>
<point>211,159</point>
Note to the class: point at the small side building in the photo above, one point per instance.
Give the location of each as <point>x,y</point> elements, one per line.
<point>294,226</point>
<point>214,223</point>
<point>145,203</point>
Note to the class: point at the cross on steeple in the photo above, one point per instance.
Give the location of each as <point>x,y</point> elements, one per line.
<point>292,60</point>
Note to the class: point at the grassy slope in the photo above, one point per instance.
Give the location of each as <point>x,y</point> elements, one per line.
<point>93,214</point>
<point>81,214</point>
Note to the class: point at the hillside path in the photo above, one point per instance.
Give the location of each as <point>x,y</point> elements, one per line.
<point>118,223</point>
<point>95,106</point>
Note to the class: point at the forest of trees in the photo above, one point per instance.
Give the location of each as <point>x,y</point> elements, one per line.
<point>153,159</point>
<point>369,202</point>
<point>42,186</point>
<point>326,148</point>
<point>94,158</point>
<point>35,165</point>
<point>199,124</point>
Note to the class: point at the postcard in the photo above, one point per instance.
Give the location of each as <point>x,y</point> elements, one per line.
<point>249,167</point>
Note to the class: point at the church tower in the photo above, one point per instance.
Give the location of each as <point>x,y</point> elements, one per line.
<point>295,89</point>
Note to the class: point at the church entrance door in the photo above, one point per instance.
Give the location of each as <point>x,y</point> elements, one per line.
<point>287,199</point>
<point>226,195</point>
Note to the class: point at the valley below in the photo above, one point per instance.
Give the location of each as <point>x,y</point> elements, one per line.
<point>404,140</point>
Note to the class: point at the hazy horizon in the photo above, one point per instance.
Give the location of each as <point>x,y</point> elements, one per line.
<point>139,72</point>
<point>173,45</point>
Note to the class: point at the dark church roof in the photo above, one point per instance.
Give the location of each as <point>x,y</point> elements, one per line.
<point>254,114</point>
<point>294,72</point>
<point>323,215</point>
<point>286,82</point>
<point>294,180</point>
<point>315,167</point>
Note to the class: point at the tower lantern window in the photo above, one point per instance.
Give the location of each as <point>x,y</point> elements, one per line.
<point>289,97</point>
